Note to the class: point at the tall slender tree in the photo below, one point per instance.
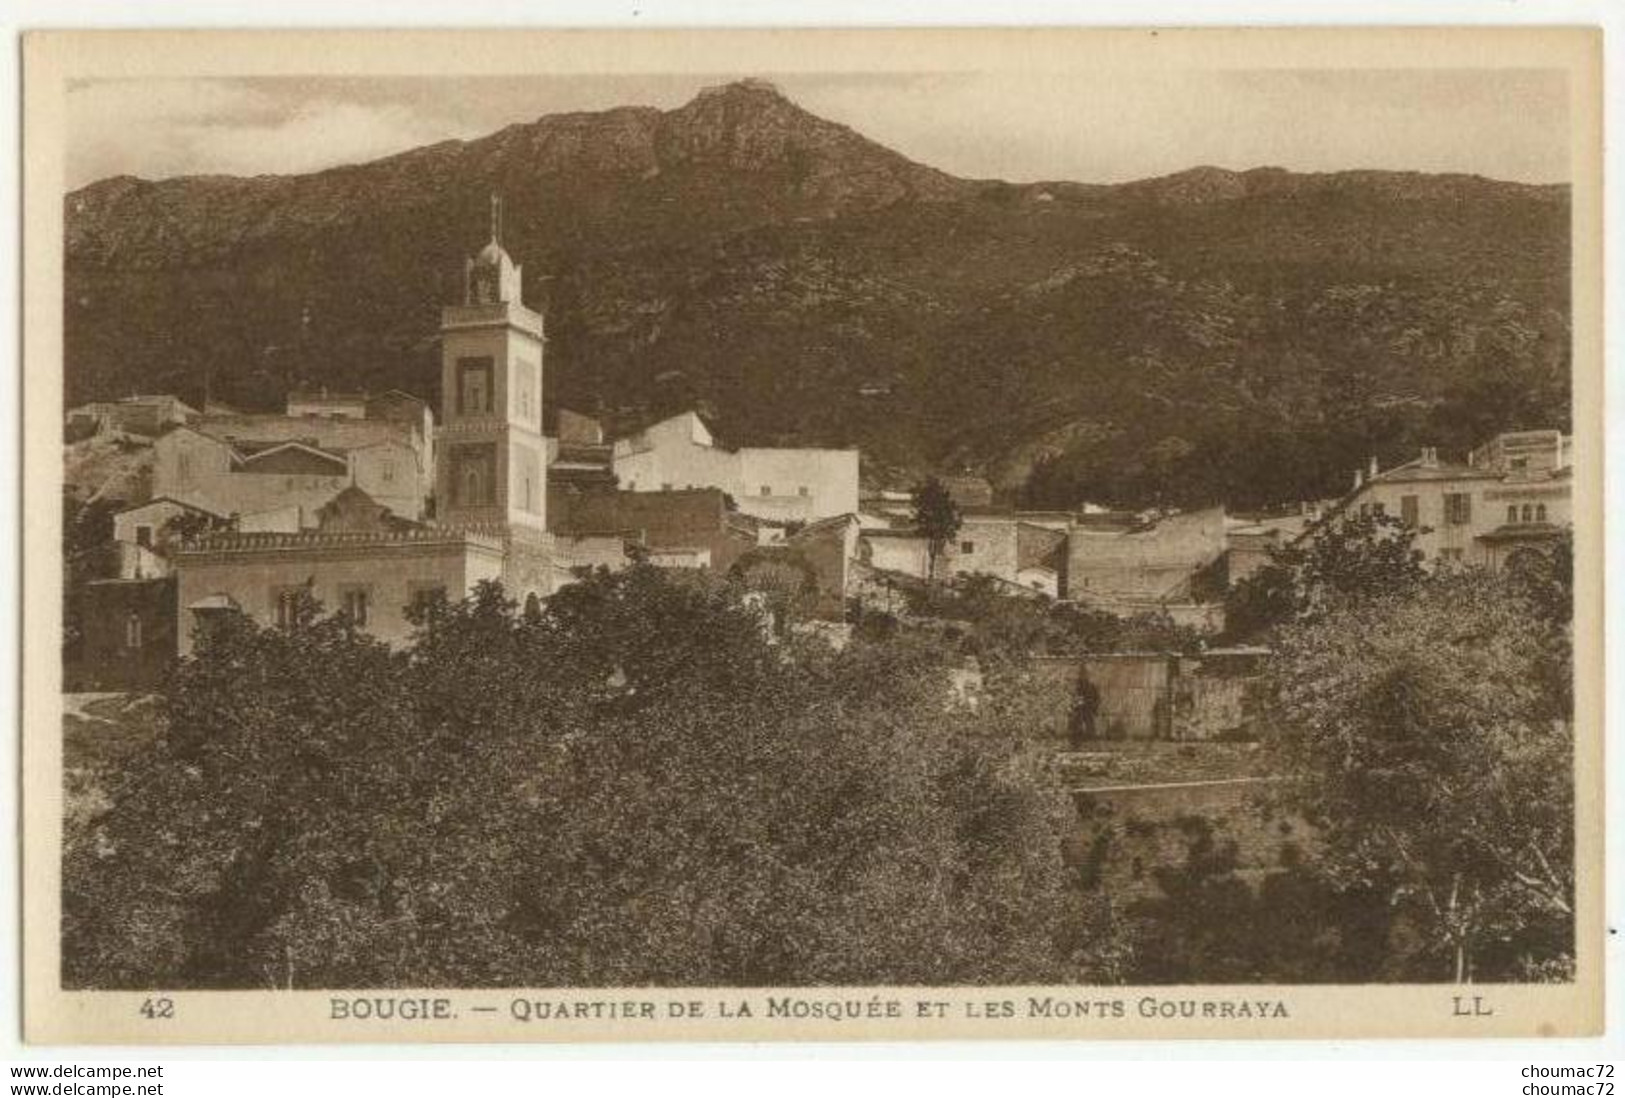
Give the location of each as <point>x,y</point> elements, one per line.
<point>937,518</point>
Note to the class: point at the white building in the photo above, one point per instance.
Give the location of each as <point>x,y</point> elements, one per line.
<point>140,415</point>
<point>1513,492</point>
<point>799,485</point>
<point>1025,552</point>
<point>248,465</point>
<point>141,534</point>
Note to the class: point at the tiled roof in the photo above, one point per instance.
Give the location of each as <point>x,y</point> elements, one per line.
<point>171,500</point>
<point>1522,531</point>
<point>307,396</point>
<point>310,540</point>
<point>1415,471</point>
<point>251,432</point>
<point>261,451</point>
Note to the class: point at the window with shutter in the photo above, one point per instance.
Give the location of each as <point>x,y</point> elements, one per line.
<point>1458,508</point>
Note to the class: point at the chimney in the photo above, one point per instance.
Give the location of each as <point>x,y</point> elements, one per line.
<point>1359,479</point>
<point>1372,473</point>
<point>1430,457</point>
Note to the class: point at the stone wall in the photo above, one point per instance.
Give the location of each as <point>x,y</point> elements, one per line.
<point>1126,834</point>
<point>1150,564</point>
<point>829,548</point>
<point>128,635</point>
<point>894,551</point>
<point>1158,695</point>
<point>992,548</point>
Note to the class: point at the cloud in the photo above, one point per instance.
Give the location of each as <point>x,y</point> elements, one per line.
<point>126,127</point>
<point>1104,126</point>
<point>320,135</point>
<point>157,129</point>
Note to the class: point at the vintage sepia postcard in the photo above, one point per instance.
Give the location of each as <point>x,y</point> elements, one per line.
<point>621,536</point>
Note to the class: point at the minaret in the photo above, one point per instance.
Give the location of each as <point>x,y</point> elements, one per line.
<point>491,456</point>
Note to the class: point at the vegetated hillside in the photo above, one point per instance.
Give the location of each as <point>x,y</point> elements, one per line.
<point>1212,335</point>
<point>112,468</point>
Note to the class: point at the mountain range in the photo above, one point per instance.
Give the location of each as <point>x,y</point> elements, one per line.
<point>1246,337</point>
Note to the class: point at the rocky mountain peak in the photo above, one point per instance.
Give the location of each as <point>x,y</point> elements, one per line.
<point>750,127</point>
<point>751,87</point>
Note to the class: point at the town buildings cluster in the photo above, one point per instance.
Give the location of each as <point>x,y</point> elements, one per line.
<point>370,502</point>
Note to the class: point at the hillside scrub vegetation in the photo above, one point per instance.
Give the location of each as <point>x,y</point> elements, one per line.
<point>1245,337</point>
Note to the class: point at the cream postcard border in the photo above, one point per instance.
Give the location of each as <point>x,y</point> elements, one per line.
<point>54,1016</point>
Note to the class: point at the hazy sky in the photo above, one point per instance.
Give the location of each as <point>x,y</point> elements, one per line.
<point>1092,127</point>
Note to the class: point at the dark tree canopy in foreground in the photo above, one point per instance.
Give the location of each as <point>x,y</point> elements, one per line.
<point>1352,557</point>
<point>636,786</point>
<point>1428,733</point>
<point>645,783</point>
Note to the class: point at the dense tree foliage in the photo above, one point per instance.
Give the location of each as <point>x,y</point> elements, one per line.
<point>1428,737</point>
<point>1206,923</point>
<point>87,554</point>
<point>653,780</point>
<point>186,527</point>
<point>1422,723</point>
<point>638,784</point>
<point>1350,556</point>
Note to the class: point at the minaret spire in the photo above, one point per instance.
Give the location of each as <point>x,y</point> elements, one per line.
<point>496,218</point>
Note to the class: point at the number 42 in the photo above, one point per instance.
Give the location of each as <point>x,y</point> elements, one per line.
<point>158,1008</point>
